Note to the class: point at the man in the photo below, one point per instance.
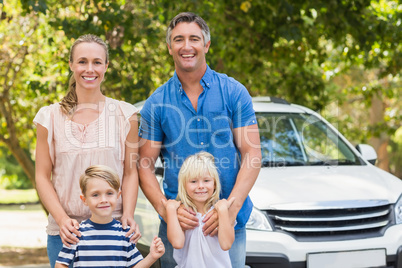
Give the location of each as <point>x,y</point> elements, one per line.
<point>199,110</point>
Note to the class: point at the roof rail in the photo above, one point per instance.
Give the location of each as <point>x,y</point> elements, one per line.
<point>270,99</point>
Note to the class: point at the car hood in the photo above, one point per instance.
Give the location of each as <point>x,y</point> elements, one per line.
<point>308,186</point>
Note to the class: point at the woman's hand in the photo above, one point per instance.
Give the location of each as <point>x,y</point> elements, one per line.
<point>69,231</point>
<point>134,228</point>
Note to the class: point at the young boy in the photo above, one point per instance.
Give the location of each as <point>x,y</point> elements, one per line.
<point>103,242</point>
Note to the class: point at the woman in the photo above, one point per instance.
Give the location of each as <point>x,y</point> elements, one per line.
<point>84,129</point>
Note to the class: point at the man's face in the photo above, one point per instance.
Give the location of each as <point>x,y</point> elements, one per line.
<point>187,47</point>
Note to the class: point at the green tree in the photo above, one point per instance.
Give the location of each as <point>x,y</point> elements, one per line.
<point>290,49</point>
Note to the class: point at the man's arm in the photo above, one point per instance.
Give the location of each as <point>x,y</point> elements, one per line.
<point>149,152</point>
<point>247,140</point>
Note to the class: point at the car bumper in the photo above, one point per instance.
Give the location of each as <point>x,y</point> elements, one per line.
<point>279,250</point>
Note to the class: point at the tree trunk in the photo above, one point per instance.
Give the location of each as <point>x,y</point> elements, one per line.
<point>379,142</point>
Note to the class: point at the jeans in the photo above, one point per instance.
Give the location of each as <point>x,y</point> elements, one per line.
<point>237,252</point>
<point>54,245</point>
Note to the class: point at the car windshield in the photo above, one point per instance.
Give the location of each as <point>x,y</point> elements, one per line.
<point>301,140</point>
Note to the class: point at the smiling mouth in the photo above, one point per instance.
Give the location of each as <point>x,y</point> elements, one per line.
<point>89,78</point>
<point>188,55</point>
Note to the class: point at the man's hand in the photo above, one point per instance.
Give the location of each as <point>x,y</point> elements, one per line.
<point>211,223</point>
<point>134,229</point>
<point>187,218</point>
<point>68,228</point>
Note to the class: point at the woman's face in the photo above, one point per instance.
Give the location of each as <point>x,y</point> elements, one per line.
<point>89,65</point>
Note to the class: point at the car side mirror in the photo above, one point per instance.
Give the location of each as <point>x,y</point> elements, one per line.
<point>368,153</point>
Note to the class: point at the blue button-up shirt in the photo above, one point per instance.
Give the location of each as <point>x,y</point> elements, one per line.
<point>169,117</point>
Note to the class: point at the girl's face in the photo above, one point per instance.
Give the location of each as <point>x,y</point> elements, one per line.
<point>89,65</point>
<point>200,189</point>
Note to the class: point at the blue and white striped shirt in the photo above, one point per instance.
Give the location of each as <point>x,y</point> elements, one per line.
<point>101,245</point>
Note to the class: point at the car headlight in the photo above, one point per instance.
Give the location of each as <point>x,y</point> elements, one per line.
<point>258,221</point>
<point>398,211</point>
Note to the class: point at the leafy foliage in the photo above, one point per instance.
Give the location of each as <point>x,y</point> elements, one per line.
<point>298,50</point>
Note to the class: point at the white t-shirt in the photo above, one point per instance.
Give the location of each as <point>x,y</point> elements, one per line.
<point>200,251</point>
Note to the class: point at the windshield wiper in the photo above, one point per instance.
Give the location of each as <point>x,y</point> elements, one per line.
<point>333,162</point>
<point>269,163</point>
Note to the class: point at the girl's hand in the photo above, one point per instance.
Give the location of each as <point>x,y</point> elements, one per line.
<point>211,220</point>
<point>69,232</point>
<point>171,204</point>
<point>134,228</point>
<point>186,217</point>
<point>157,248</point>
<point>224,204</point>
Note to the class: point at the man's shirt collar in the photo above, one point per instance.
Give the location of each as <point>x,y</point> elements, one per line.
<point>206,80</point>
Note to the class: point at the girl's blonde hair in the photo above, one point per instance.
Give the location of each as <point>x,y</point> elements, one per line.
<point>100,172</point>
<point>70,101</point>
<point>195,166</point>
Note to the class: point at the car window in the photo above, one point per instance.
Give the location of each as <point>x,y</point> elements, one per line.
<point>301,139</point>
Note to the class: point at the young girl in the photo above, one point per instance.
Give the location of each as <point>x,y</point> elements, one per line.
<point>103,241</point>
<point>199,189</point>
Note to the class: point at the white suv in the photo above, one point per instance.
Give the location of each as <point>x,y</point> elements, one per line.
<point>318,201</point>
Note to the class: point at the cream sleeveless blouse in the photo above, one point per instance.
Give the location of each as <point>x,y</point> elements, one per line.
<point>73,147</point>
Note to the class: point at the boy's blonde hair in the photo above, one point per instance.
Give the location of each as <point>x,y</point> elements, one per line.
<point>100,172</point>
<point>196,166</point>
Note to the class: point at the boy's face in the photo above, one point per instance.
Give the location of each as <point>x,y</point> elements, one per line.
<point>101,199</point>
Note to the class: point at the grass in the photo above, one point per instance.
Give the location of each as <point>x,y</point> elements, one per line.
<point>18,196</point>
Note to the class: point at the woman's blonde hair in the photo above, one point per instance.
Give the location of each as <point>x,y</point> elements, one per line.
<point>196,166</point>
<point>100,172</point>
<point>70,101</point>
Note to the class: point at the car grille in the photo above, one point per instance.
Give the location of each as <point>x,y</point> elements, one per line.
<point>332,224</point>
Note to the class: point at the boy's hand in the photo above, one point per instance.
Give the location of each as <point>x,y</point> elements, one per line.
<point>157,248</point>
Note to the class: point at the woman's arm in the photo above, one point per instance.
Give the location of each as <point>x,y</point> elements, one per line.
<point>226,233</point>
<point>47,194</point>
<point>174,232</point>
<point>129,186</point>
